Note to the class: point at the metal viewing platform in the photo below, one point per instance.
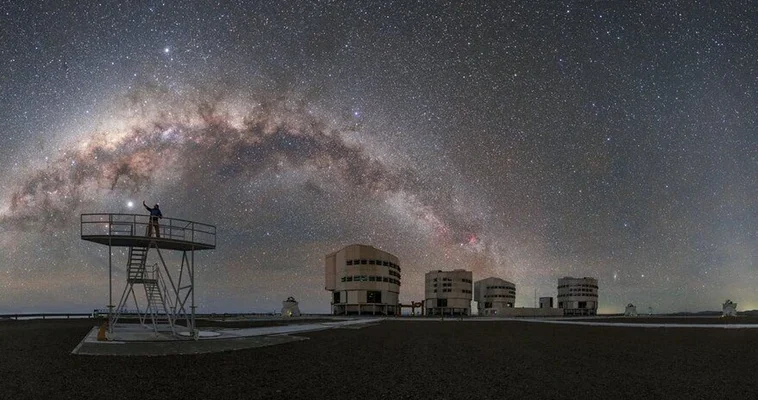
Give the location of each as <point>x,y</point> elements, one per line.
<point>130,230</point>
<point>164,296</point>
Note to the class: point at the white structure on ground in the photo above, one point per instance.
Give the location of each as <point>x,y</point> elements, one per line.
<point>546,302</point>
<point>729,309</point>
<point>448,292</point>
<point>492,295</point>
<point>631,310</point>
<point>290,308</point>
<point>363,280</point>
<point>577,296</point>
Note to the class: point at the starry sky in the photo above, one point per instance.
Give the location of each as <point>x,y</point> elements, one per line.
<point>522,140</point>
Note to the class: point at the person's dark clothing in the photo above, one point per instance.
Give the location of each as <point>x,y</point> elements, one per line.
<point>155,215</point>
<point>154,212</point>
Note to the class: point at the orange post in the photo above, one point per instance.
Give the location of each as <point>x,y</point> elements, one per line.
<point>102,331</point>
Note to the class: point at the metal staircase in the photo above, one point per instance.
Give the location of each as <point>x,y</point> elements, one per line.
<point>159,306</point>
<point>135,267</point>
<point>159,309</point>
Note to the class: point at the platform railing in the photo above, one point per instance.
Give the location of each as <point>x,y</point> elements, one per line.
<point>138,225</point>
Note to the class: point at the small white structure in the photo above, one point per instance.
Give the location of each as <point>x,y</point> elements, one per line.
<point>290,308</point>
<point>729,309</point>
<point>546,302</point>
<point>631,310</point>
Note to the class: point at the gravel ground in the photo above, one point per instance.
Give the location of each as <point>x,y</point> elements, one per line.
<point>252,323</point>
<point>679,320</point>
<point>398,360</point>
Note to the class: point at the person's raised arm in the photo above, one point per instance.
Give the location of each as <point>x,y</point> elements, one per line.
<point>148,208</point>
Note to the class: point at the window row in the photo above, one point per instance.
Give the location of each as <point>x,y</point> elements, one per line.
<point>486,296</point>
<point>502,287</point>
<point>443,285</point>
<point>583,290</point>
<point>578,295</point>
<point>365,278</point>
<point>393,273</point>
<point>451,279</point>
<point>450,290</point>
<point>373,262</point>
<point>573,286</point>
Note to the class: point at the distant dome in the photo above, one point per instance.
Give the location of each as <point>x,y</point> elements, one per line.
<point>631,310</point>
<point>729,309</point>
<point>290,308</point>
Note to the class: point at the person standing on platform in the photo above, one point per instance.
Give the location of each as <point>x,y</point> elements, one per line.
<point>155,215</point>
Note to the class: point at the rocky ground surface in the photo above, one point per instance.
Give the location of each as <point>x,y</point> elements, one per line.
<point>398,360</point>
<point>642,319</point>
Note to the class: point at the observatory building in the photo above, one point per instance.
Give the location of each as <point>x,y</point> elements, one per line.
<point>363,280</point>
<point>577,296</point>
<point>448,292</point>
<point>493,295</point>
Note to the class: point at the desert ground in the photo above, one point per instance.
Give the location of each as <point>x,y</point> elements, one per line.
<point>399,360</point>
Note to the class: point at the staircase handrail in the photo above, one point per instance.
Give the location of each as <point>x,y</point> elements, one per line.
<point>162,287</point>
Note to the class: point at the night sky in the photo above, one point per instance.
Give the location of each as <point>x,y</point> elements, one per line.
<point>526,141</point>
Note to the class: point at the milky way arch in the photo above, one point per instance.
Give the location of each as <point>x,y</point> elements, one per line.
<point>212,144</point>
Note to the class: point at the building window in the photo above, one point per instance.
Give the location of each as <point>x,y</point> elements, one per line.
<point>364,261</point>
<point>349,262</point>
<point>373,296</point>
<point>336,297</point>
<point>349,279</point>
<point>441,302</point>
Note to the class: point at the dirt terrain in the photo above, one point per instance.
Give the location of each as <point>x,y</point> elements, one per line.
<point>398,360</point>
